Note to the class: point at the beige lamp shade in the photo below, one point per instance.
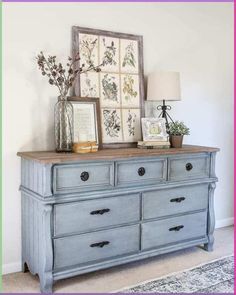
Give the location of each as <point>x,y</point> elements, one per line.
<point>163,86</point>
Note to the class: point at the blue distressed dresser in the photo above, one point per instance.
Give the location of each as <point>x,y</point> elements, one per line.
<point>85,212</point>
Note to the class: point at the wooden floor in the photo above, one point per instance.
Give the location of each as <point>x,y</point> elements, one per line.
<point>130,274</point>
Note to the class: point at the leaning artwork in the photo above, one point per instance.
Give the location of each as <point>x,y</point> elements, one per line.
<point>118,84</point>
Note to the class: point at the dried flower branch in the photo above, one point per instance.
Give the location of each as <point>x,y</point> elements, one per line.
<point>59,76</point>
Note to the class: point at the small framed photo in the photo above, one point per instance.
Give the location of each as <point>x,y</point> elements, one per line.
<point>154,129</point>
<point>86,119</point>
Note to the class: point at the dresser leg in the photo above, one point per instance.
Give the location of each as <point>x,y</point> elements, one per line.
<point>24,267</point>
<point>46,283</point>
<point>210,219</point>
<point>209,246</point>
<point>46,278</point>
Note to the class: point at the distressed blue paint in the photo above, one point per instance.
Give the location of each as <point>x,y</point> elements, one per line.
<point>58,228</point>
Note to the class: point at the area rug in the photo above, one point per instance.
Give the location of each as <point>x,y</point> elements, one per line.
<point>214,277</point>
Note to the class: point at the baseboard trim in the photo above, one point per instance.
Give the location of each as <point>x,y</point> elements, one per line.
<point>11,267</point>
<point>16,267</point>
<point>224,222</point>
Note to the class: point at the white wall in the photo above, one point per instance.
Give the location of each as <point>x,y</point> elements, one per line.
<point>195,39</point>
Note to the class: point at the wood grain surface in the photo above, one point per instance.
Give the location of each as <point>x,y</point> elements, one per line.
<point>111,154</point>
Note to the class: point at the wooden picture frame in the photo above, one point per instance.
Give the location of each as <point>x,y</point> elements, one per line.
<point>119,85</point>
<point>94,135</point>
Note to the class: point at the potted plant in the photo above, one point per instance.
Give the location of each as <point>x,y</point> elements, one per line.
<point>63,78</point>
<point>177,130</point>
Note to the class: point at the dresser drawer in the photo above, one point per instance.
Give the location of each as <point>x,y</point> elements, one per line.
<point>173,230</point>
<point>80,177</point>
<point>90,247</point>
<point>89,215</point>
<point>189,167</point>
<point>172,201</point>
<point>141,171</point>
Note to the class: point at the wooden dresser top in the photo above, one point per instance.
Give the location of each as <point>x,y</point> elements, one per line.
<point>111,154</point>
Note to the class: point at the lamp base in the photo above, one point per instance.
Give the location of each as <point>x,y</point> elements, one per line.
<point>164,114</point>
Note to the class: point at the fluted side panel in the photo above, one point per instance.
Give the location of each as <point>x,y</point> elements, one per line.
<point>36,239</point>
<point>36,177</point>
<point>31,232</point>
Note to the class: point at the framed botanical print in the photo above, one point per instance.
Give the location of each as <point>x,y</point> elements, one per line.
<point>154,129</point>
<point>86,120</point>
<point>119,85</point>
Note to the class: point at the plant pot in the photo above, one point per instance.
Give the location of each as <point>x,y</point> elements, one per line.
<point>176,141</point>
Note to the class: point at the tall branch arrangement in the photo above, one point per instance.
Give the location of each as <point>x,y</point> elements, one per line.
<point>62,77</point>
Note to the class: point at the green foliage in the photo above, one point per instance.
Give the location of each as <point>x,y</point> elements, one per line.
<point>178,128</point>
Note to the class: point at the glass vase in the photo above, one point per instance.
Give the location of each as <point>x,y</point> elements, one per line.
<point>63,124</point>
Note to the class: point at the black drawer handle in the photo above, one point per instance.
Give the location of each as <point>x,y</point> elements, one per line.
<point>100,244</point>
<point>100,212</point>
<point>141,171</point>
<point>177,200</point>
<point>84,176</point>
<point>189,166</point>
<point>176,228</point>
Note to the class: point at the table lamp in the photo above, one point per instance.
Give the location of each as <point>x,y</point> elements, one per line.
<point>164,86</point>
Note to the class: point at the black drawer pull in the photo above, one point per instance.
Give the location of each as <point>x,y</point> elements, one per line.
<point>100,244</point>
<point>189,166</point>
<point>141,171</point>
<point>100,212</point>
<point>177,200</point>
<point>176,228</point>
<point>84,176</point>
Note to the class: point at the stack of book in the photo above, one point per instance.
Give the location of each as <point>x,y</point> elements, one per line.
<point>85,147</point>
<point>154,144</point>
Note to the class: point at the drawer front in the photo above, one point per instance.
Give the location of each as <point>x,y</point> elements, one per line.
<point>174,201</point>
<point>173,230</point>
<point>88,215</point>
<point>141,172</point>
<point>81,177</point>
<point>86,248</point>
<point>191,167</point>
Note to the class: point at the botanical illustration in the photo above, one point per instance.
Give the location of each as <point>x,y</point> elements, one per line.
<point>112,123</point>
<point>110,88</point>
<point>154,129</point>
<point>129,58</point>
<point>128,88</point>
<point>118,82</point>
<point>88,45</point>
<point>89,85</point>
<point>131,125</point>
<point>109,53</point>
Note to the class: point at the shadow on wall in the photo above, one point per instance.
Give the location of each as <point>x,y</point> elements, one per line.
<point>41,135</point>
